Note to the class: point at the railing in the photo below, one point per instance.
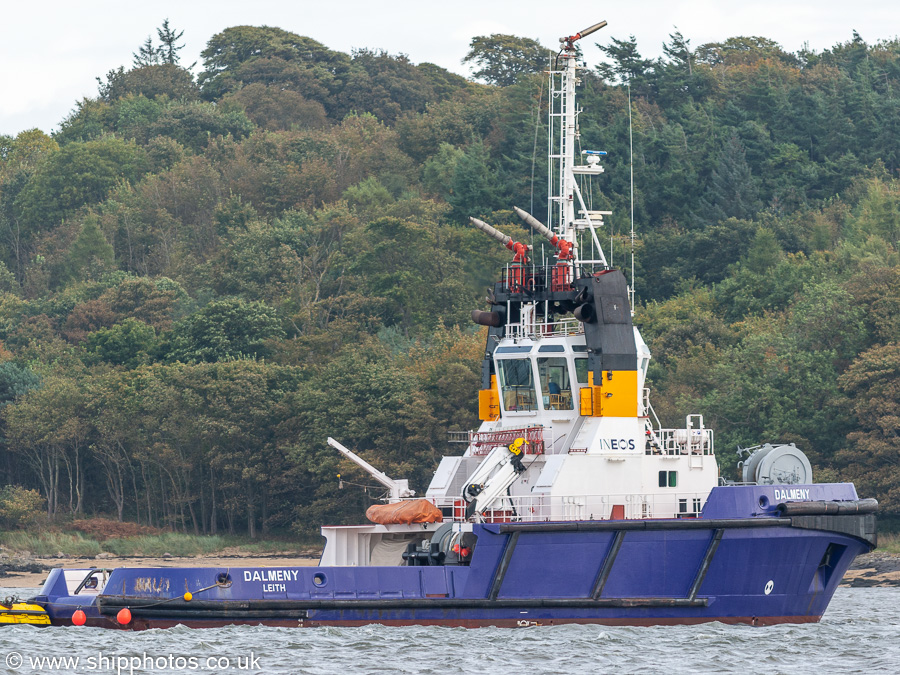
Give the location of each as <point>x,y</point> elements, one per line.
<point>544,508</point>
<point>531,279</point>
<point>681,442</point>
<point>693,439</point>
<point>459,437</point>
<point>562,328</point>
<point>483,441</point>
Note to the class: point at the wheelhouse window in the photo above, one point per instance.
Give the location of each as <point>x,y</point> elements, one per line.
<point>517,384</point>
<point>556,388</point>
<point>581,369</point>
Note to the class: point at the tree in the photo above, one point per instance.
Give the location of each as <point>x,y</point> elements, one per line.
<point>146,55</point>
<point>225,329</point>
<point>872,384</point>
<point>275,108</point>
<point>474,189</point>
<point>628,65</point>
<point>679,51</point>
<point>384,85</point>
<point>228,51</point>
<point>48,427</point>
<point>741,51</point>
<point>129,343</point>
<point>90,255</point>
<point>503,60</point>
<point>168,48</point>
<point>194,125</point>
<point>166,53</point>
<point>15,380</point>
<point>732,190</point>
<point>152,80</point>
<point>79,174</point>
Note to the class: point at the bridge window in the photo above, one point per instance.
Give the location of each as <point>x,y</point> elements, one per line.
<point>555,386</point>
<point>517,384</point>
<point>581,370</point>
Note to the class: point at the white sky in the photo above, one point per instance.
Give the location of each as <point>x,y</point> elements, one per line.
<point>52,51</point>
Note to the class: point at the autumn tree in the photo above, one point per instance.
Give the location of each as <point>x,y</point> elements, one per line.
<point>872,384</point>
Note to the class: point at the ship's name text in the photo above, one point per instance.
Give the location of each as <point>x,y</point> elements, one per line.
<point>271,575</point>
<point>794,493</point>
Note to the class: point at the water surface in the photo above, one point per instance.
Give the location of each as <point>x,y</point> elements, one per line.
<point>859,634</point>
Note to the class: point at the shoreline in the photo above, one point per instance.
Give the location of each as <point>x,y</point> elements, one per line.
<point>872,570</point>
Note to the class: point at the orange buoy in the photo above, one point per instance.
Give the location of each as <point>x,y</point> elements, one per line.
<point>188,596</point>
<point>124,616</point>
<point>79,617</point>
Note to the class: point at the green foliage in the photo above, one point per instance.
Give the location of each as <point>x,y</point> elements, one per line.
<point>274,108</point>
<point>627,63</point>
<point>228,53</point>
<point>193,125</point>
<point>194,295</point>
<point>872,384</point>
<point>15,380</point>
<point>129,343</point>
<point>225,329</point>
<point>135,114</point>
<point>384,85</point>
<point>410,275</point>
<point>19,507</point>
<point>152,80</point>
<point>732,192</point>
<point>474,188</point>
<point>90,255</point>
<point>90,119</point>
<point>503,59</point>
<point>77,175</point>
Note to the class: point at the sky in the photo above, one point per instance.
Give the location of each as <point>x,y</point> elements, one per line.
<point>52,51</point>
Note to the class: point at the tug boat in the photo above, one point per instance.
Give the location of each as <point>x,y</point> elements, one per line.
<point>570,503</point>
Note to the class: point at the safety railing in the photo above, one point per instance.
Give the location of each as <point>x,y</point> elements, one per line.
<point>544,508</point>
<point>693,439</point>
<point>539,328</point>
<point>483,441</point>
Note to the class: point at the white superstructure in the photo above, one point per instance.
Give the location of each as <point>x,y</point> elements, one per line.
<point>568,432</point>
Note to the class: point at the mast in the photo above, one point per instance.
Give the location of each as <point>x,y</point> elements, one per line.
<point>571,213</point>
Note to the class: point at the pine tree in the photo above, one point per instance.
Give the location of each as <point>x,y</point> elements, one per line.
<point>146,55</point>
<point>679,51</point>
<point>732,191</point>
<point>628,66</point>
<point>168,50</point>
<point>91,254</point>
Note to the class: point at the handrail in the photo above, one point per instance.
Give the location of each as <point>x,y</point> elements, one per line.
<point>547,508</point>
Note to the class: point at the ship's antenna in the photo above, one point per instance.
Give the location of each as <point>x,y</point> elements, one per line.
<point>631,163</point>
<point>537,127</point>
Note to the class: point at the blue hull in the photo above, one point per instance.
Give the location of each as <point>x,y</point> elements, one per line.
<point>759,569</point>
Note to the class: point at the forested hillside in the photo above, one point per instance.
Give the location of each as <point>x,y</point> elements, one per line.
<point>201,278</point>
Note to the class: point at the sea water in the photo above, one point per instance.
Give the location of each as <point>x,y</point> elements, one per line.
<point>858,634</point>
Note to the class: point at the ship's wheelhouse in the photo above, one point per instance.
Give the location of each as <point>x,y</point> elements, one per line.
<point>540,377</point>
